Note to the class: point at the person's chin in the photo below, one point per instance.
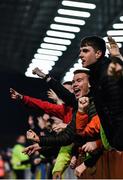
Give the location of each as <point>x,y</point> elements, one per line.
<point>84,65</point>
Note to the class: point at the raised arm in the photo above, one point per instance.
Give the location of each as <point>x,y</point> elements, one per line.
<point>59,89</point>
<point>113,48</point>
<point>15,95</point>
<point>47,107</point>
<point>116,66</point>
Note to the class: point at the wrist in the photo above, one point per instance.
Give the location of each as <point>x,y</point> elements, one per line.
<point>47,78</point>
<point>37,140</point>
<point>81,111</point>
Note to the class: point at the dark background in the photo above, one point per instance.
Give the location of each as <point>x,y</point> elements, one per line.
<point>23,25</point>
<point>14,114</point>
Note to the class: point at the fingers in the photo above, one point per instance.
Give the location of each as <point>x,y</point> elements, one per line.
<point>80,169</point>
<point>30,134</point>
<point>83,100</point>
<point>25,151</point>
<point>14,94</point>
<point>38,72</point>
<point>34,71</point>
<point>57,175</point>
<point>111,69</point>
<point>111,41</point>
<point>77,173</point>
<point>73,162</point>
<point>30,130</point>
<point>89,146</point>
<point>72,165</point>
<point>55,127</point>
<point>11,90</point>
<point>50,90</point>
<point>86,148</point>
<point>50,95</point>
<point>108,47</point>
<point>29,150</point>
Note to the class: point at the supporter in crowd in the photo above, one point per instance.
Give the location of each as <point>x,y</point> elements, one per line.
<point>106,90</point>
<point>116,66</point>
<point>20,161</point>
<point>82,88</point>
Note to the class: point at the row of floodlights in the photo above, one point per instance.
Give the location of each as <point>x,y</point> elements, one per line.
<point>60,35</point>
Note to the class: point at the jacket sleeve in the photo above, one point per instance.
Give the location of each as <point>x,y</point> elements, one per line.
<point>113,96</point>
<point>50,108</point>
<point>63,93</point>
<point>93,127</point>
<point>114,103</point>
<point>64,138</point>
<point>81,121</point>
<point>63,159</point>
<point>99,144</point>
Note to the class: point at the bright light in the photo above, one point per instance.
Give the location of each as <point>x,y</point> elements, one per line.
<point>115,33</point>
<point>69,21</point>
<point>71,70</point>
<point>68,76</point>
<point>119,44</point>
<point>80,61</point>
<point>40,66</point>
<point>39,62</point>
<point>74,13</point>
<point>50,52</point>
<point>79,4</point>
<point>118,26</point>
<point>57,40</point>
<point>65,28</point>
<point>116,38</point>
<point>106,40</point>
<point>77,66</point>
<point>60,34</point>
<point>52,46</point>
<point>121,18</point>
<point>47,57</point>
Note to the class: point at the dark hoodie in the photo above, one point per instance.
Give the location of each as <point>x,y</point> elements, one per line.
<point>108,97</point>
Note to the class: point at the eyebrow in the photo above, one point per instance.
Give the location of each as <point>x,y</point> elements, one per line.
<point>78,79</point>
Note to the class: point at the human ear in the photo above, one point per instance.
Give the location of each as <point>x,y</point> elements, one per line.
<point>98,54</point>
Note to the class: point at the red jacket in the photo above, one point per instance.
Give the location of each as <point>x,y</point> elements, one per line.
<point>64,112</point>
<point>61,111</point>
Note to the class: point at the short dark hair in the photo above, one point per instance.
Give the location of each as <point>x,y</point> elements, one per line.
<point>86,71</point>
<point>67,82</point>
<point>96,42</point>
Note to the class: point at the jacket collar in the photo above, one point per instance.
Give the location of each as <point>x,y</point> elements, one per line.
<point>98,68</point>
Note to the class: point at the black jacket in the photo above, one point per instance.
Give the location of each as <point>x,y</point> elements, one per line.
<point>108,97</point>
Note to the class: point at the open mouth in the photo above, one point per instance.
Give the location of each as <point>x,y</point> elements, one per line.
<point>77,92</point>
<point>83,61</point>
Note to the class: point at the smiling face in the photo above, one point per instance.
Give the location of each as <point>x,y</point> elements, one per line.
<point>89,55</point>
<point>80,85</point>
